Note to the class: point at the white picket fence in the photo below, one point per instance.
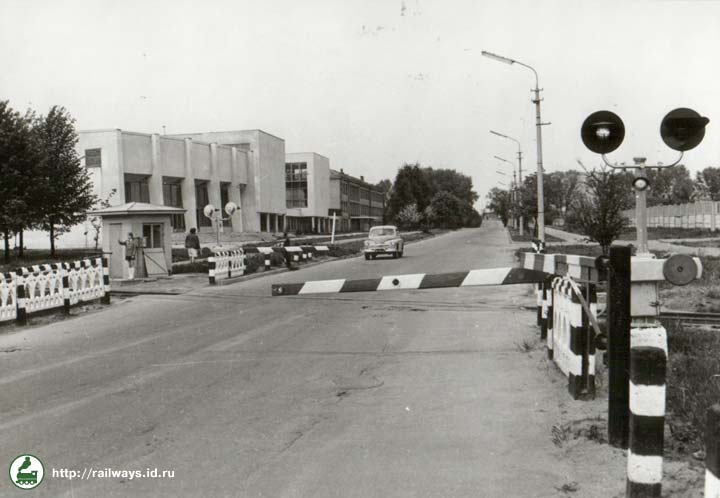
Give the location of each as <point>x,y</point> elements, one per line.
<point>701,214</point>
<point>49,286</point>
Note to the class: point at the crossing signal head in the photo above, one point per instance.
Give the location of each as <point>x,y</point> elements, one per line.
<point>230,208</point>
<point>602,132</point>
<point>683,129</point>
<point>641,183</point>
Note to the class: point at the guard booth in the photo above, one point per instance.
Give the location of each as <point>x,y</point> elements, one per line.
<point>147,222</point>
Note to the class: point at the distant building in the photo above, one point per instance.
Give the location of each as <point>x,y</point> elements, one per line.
<point>275,192</point>
<point>358,204</point>
<point>307,192</point>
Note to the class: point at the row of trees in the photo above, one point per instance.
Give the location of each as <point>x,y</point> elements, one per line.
<point>42,183</point>
<point>430,197</point>
<point>592,201</point>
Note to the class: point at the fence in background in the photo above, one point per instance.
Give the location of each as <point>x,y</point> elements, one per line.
<point>46,287</point>
<point>700,214</point>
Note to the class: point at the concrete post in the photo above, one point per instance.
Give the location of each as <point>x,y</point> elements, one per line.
<point>188,188</point>
<point>155,182</point>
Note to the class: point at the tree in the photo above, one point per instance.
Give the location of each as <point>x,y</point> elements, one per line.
<point>19,159</point>
<point>410,187</point>
<point>709,180</point>
<point>96,221</point>
<point>450,211</point>
<point>449,180</point>
<point>500,204</point>
<point>599,210</point>
<point>560,190</point>
<point>669,186</point>
<point>64,185</point>
<point>409,216</point>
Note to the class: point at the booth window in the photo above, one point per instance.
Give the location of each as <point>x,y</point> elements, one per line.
<point>153,235</point>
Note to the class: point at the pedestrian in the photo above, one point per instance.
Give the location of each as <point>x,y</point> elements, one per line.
<point>192,243</point>
<point>287,240</point>
<point>286,243</point>
<point>131,250</point>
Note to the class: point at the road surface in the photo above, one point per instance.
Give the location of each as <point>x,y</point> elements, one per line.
<point>393,394</point>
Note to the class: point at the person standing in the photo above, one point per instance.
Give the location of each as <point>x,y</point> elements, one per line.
<point>131,250</point>
<point>192,243</point>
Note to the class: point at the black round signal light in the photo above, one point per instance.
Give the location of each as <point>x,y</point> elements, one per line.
<point>602,132</point>
<point>683,129</point>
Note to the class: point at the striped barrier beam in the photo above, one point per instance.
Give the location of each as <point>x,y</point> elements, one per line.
<point>712,453</point>
<point>492,276</point>
<point>648,365</point>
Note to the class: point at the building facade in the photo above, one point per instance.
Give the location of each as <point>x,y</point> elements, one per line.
<point>357,204</point>
<point>307,192</point>
<point>275,191</point>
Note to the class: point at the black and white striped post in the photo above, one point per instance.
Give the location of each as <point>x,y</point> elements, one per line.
<point>106,280</point>
<point>648,365</point>
<point>712,453</point>
<point>21,318</point>
<point>211,269</point>
<point>65,288</point>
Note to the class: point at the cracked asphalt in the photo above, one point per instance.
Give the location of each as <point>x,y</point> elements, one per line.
<point>391,394</point>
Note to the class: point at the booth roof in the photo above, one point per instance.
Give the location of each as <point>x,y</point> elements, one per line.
<point>136,208</point>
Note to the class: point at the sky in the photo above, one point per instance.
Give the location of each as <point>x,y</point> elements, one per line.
<point>374,84</point>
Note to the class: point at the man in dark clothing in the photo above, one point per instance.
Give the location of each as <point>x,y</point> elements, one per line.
<point>192,243</point>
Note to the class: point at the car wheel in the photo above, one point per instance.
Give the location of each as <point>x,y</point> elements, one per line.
<point>373,256</point>
<point>400,254</point>
<point>367,257</point>
<point>395,255</point>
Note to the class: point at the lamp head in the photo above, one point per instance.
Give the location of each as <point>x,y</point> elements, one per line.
<point>602,132</point>
<point>496,57</point>
<point>683,129</point>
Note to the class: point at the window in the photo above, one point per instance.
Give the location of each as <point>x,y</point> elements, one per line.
<point>137,190</point>
<point>201,200</point>
<point>296,189</point>
<point>224,199</point>
<point>172,196</point>
<point>93,158</point>
<point>153,236</point>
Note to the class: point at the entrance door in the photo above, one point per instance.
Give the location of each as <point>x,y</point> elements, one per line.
<point>118,255</point>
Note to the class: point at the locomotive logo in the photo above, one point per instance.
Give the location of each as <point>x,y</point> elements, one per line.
<point>26,472</point>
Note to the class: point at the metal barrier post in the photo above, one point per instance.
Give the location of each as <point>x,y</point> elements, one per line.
<point>618,306</point>
<point>66,290</point>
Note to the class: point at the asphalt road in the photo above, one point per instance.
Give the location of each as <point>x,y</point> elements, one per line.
<point>392,394</point>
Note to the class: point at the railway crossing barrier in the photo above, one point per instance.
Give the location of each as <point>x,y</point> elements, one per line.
<point>225,263</point>
<point>46,287</point>
<point>567,315</point>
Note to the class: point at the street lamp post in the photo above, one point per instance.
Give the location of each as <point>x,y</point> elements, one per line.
<point>519,183</point>
<point>538,124</point>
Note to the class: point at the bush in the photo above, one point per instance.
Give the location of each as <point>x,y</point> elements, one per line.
<point>196,267</point>
<point>693,382</point>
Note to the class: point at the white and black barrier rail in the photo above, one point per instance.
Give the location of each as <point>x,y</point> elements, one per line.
<point>47,287</point>
<point>230,262</point>
<point>492,276</point>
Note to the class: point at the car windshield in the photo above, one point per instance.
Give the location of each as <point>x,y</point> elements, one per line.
<point>381,232</point>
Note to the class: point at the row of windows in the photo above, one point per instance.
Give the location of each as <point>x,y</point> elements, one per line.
<point>296,187</point>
